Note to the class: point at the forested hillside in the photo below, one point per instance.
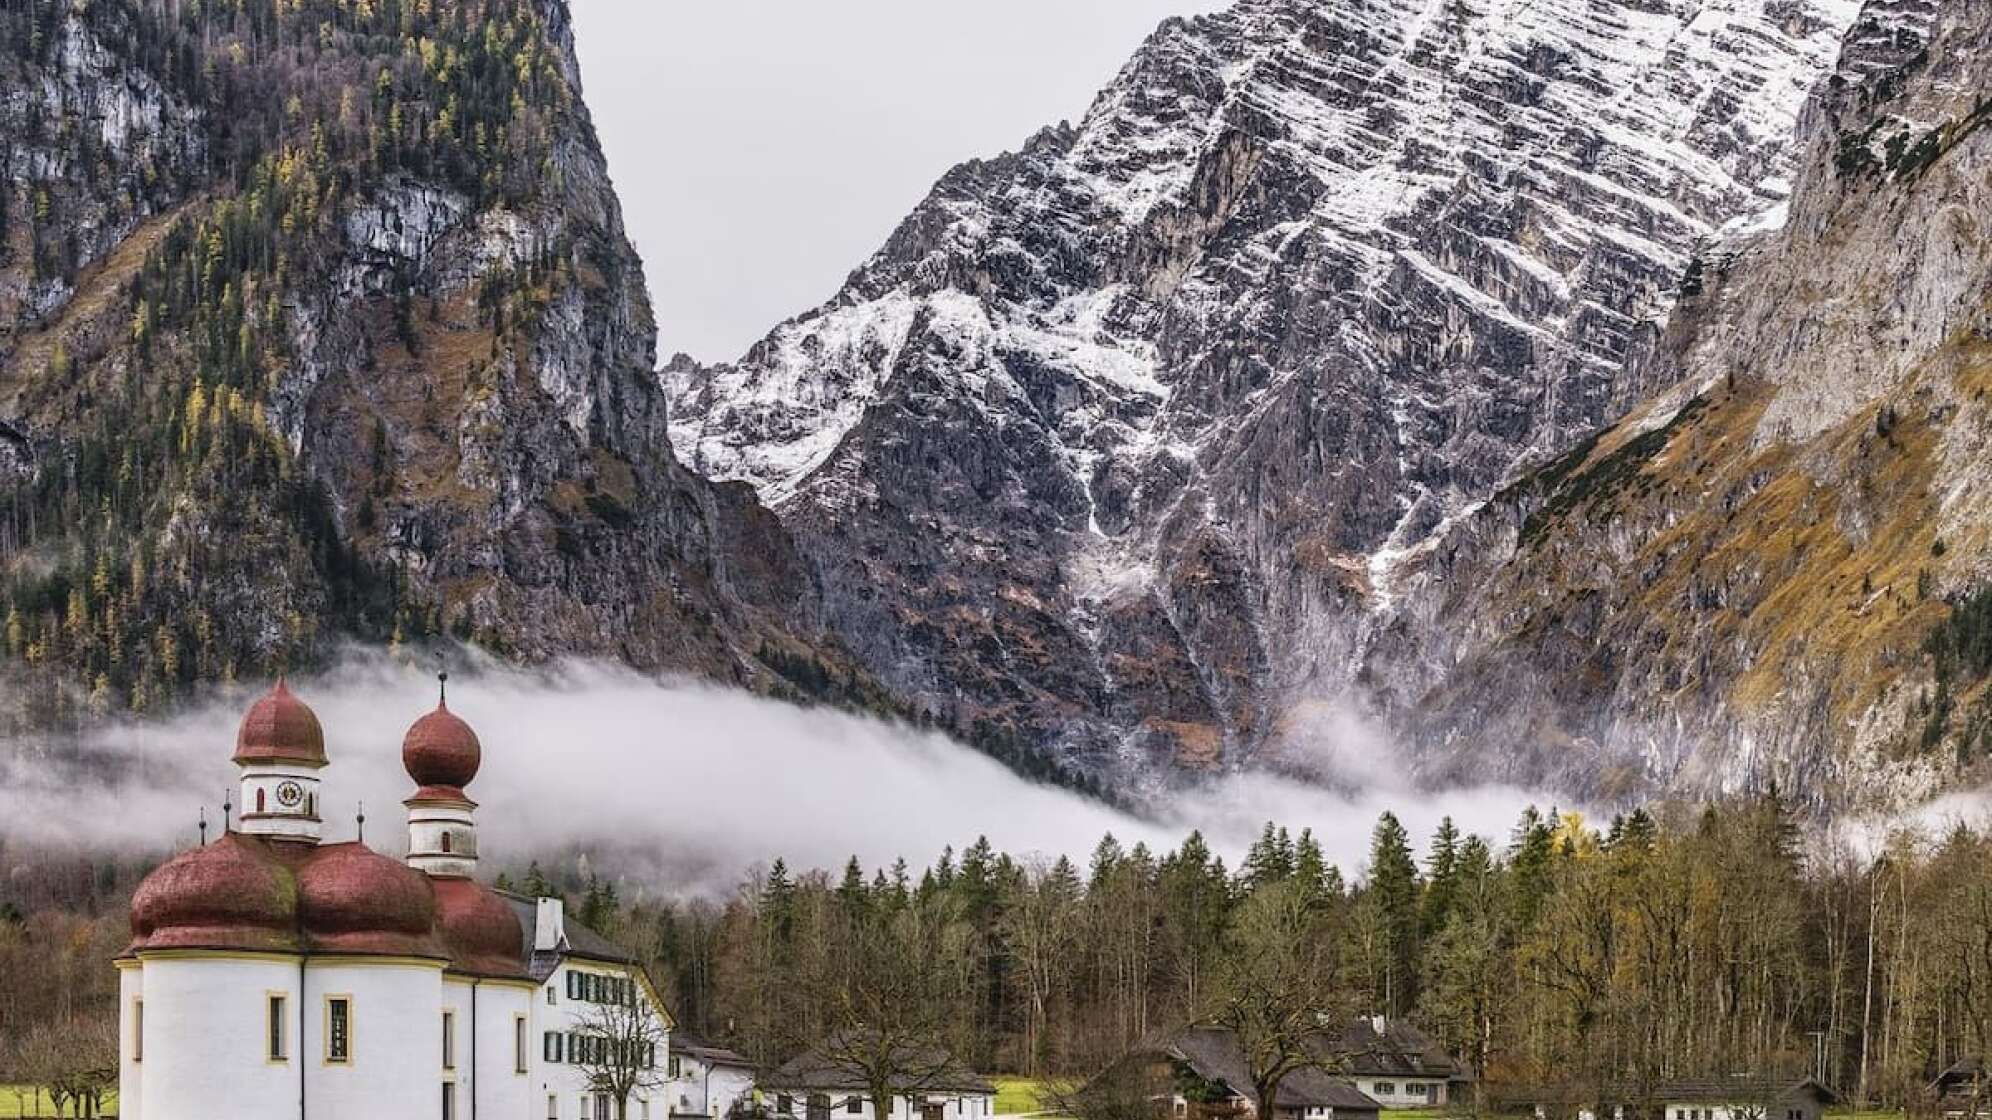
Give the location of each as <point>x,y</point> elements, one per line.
<point>317,321</point>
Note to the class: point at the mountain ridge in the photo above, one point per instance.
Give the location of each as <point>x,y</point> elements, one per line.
<point>1120,439</point>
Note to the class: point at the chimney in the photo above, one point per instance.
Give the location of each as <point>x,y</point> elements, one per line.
<point>550,926</point>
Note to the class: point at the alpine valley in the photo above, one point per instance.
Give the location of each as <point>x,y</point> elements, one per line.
<point>1583,393</point>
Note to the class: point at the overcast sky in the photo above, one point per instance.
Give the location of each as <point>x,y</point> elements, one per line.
<point>764,148</point>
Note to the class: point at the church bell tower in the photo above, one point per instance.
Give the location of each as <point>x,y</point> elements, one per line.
<point>279,752</point>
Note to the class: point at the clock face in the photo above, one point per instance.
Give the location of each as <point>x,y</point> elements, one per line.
<point>289,794</point>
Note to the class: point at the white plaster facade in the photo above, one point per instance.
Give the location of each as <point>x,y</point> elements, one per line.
<point>1404,1092</point>
<point>197,1042</point>
<point>562,1085</point>
<point>707,1088</point>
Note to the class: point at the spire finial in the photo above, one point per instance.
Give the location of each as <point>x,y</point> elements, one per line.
<point>204,826</point>
<point>227,811</point>
<point>362,818</point>
<point>443,688</point>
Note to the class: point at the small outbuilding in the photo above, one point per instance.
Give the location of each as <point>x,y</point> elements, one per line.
<point>1963,1091</point>
<point>707,1080</point>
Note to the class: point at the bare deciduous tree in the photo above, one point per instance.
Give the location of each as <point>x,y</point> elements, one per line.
<point>1279,988</point>
<point>624,1039</point>
<point>887,1001</point>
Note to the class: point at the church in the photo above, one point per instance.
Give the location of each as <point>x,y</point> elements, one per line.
<point>272,974</point>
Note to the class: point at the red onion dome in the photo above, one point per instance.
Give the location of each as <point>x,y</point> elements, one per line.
<point>352,899</point>
<point>236,893</point>
<point>441,750</point>
<point>480,929</point>
<point>280,728</point>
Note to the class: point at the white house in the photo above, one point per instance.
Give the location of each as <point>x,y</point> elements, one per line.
<point>824,1084</point>
<point>272,975</point>
<point>1745,1097</point>
<point>1394,1063</point>
<point>707,1080</point>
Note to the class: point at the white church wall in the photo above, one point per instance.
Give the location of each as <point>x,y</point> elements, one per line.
<point>131,994</point>
<point>206,1038</point>
<point>503,1090</point>
<point>396,1065</point>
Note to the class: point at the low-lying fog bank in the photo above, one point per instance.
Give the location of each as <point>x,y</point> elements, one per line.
<point>682,785</point>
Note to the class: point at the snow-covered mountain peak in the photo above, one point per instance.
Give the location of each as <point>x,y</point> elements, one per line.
<point>1310,278</point>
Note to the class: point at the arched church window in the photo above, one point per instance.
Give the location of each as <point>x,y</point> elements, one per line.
<point>446,843</point>
<point>259,800</point>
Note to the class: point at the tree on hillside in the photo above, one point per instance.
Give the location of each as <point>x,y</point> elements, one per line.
<point>1393,887</point>
<point>1279,986</point>
<point>1196,909</point>
<point>1040,928</point>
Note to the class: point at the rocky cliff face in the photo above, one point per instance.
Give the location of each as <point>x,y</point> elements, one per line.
<point>1775,570</point>
<point>1126,443</point>
<point>318,320</point>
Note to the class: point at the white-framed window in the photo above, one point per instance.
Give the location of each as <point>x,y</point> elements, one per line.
<point>552,1099</point>
<point>276,1032</point>
<point>550,1047</point>
<point>1386,1089</point>
<point>339,1030</point>
<point>449,1100</point>
<point>519,1044</point>
<point>138,1030</point>
<point>449,1040</point>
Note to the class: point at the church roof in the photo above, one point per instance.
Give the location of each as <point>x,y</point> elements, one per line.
<point>441,750</point>
<point>249,893</point>
<point>280,728</point>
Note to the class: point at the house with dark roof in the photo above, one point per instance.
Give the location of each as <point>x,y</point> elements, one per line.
<point>1740,1097</point>
<point>828,1082</point>
<point>1201,1073</point>
<point>1395,1063</point>
<point>1963,1091</point>
<point>1743,1098</point>
<point>707,1080</point>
